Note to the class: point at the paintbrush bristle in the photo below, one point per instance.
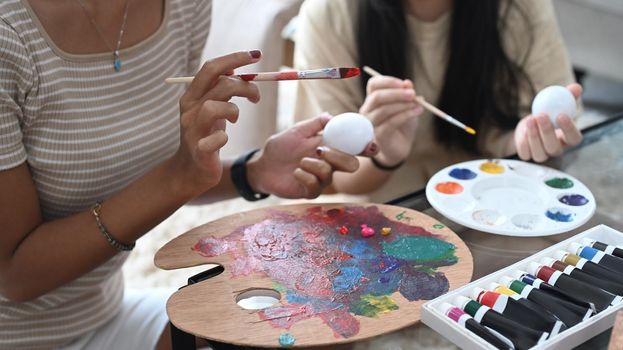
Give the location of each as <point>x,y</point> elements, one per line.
<point>470,131</point>
<point>349,72</point>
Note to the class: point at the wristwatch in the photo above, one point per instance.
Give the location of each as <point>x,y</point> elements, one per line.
<point>239,178</point>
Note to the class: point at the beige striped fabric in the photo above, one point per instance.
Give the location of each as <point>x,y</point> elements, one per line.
<point>86,131</point>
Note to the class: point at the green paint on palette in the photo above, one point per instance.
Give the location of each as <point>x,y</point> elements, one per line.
<point>286,340</point>
<point>472,307</point>
<point>438,226</point>
<point>559,182</point>
<point>421,249</point>
<point>426,269</point>
<point>371,306</point>
<point>280,288</point>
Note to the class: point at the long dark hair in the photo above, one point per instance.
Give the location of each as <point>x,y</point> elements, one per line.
<point>481,85</point>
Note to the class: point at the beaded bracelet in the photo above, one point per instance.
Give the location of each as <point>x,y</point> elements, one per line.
<point>113,242</point>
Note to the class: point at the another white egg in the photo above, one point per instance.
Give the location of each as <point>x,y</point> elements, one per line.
<point>554,101</point>
<point>348,132</point>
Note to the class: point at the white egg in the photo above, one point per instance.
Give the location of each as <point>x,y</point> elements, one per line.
<point>554,101</point>
<point>348,132</point>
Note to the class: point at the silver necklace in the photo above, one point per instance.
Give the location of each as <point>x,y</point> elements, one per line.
<point>115,52</point>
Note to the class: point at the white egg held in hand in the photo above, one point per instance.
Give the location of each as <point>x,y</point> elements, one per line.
<point>554,101</point>
<point>348,132</point>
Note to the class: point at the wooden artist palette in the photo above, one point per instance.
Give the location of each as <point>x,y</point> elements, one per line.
<point>510,197</point>
<point>333,285</point>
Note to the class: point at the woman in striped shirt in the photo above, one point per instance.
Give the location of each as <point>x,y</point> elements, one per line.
<point>85,118</point>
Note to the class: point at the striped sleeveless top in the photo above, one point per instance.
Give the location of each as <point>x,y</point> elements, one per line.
<point>86,132</point>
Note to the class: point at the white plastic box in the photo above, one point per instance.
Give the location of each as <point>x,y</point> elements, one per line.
<point>568,339</point>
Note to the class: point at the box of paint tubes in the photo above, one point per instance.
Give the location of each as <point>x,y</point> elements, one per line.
<point>555,299</point>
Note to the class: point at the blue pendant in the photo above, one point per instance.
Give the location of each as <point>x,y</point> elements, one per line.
<point>117,61</point>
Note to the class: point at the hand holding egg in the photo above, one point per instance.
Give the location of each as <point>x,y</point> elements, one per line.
<point>349,133</point>
<point>554,100</point>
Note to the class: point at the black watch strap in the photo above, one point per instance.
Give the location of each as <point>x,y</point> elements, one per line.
<point>239,178</point>
<point>384,167</point>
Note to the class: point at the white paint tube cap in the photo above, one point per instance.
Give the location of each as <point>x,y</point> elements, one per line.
<point>493,285</point>
<point>518,273</point>
<point>477,292</point>
<point>588,241</point>
<point>533,268</point>
<point>460,301</point>
<point>506,281</point>
<point>575,248</point>
<point>560,255</point>
<point>548,261</point>
<point>445,308</point>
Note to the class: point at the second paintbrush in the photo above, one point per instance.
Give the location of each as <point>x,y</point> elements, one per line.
<point>324,73</point>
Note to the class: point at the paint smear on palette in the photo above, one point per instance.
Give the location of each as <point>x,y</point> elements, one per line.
<point>526,221</point>
<point>489,217</point>
<point>559,183</point>
<point>462,174</point>
<point>492,168</point>
<point>575,200</point>
<point>560,214</point>
<point>334,276</point>
<point>449,187</point>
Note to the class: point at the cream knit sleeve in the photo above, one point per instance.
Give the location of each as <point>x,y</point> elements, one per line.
<point>16,80</point>
<point>325,38</point>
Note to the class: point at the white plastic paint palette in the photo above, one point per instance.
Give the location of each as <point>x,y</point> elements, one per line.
<point>510,197</point>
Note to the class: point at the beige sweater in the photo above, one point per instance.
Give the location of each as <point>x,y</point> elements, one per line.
<point>326,38</point>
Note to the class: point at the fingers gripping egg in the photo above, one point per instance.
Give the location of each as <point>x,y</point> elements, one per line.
<point>348,132</point>
<point>554,101</point>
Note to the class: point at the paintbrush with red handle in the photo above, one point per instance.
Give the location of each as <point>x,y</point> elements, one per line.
<point>323,73</point>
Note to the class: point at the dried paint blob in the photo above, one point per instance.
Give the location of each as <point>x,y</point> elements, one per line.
<point>286,340</point>
<point>492,168</point>
<point>438,226</point>
<point>367,231</point>
<point>386,231</point>
<point>575,200</point>
<point>559,183</point>
<point>449,187</point>
<point>463,174</point>
<point>343,230</point>
<point>527,221</point>
<point>560,214</point>
<point>489,217</point>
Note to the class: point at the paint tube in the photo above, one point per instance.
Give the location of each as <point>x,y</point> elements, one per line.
<point>595,295</point>
<point>588,266</point>
<point>606,248</point>
<point>598,257</point>
<point>521,336</point>
<point>568,312</point>
<point>511,308</point>
<point>580,275</point>
<point>552,290</point>
<point>465,320</point>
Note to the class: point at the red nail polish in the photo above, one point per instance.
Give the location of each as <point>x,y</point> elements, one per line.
<point>255,53</point>
<point>373,147</point>
<point>319,151</point>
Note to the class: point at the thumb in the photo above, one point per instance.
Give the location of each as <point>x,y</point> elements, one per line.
<point>312,127</point>
<point>576,90</point>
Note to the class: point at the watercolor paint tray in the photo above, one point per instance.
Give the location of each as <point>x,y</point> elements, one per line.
<point>510,197</point>
<point>574,336</point>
